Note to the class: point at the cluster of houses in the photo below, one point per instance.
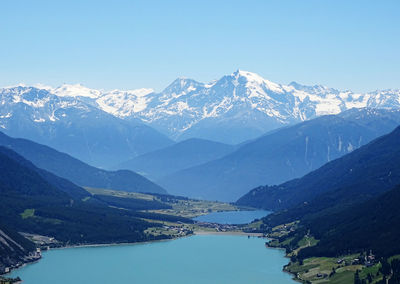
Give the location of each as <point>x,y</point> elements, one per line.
<point>178,230</point>
<point>218,227</point>
<point>367,260</point>
<point>181,230</point>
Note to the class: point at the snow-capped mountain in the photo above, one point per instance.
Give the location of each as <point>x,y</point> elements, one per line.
<point>70,121</point>
<point>237,107</point>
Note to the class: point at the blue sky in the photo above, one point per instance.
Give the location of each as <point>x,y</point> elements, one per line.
<point>134,44</point>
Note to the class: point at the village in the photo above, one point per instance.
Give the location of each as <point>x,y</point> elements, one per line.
<point>218,227</point>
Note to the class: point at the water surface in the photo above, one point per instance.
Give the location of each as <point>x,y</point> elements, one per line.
<point>205,259</point>
<point>232,217</point>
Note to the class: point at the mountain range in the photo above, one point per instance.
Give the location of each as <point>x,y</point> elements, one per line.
<point>74,125</point>
<point>281,155</point>
<point>105,128</point>
<point>240,106</point>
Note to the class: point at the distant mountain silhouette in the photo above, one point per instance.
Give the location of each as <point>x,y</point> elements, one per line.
<point>63,165</point>
<point>182,155</point>
<point>282,154</point>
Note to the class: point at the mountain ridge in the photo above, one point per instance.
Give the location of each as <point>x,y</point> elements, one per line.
<point>65,166</point>
<point>365,172</point>
<point>74,125</point>
<point>281,155</point>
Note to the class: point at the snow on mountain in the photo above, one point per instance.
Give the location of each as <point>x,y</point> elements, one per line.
<point>124,103</point>
<point>237,107</point>
<point>73,122</point>
<point>243,105</point>
<point>36,104</point>
<point>76,90</point>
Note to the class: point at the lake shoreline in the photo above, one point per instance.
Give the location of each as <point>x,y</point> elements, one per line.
<point>196,232</point>
<point>62,247</point>
<point>251,248</point>
<point>94,245</point>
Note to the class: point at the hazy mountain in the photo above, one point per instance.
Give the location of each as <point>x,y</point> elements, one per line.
<point>63,165</point>
<point>362,174</point>
<point>182,155</point>
<point>75,125</point>
<point>282,155</point>
<point>20,176</point>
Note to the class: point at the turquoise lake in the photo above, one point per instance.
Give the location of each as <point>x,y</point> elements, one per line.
<point>199,259</point>
<point>205,259</point>
<point>232,217</point>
